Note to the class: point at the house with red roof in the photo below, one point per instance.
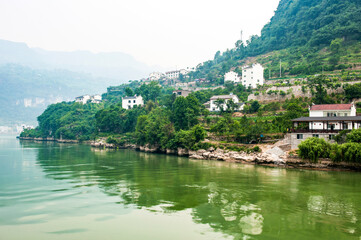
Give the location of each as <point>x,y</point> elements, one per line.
<point>324,121</point>
<point>332,110</point>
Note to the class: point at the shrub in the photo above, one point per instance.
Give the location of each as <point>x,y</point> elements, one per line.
<point>257,149</point>
<point>347,152</point>
<point>314,148</point>
<point>202,145</point>
<point>354,136</point>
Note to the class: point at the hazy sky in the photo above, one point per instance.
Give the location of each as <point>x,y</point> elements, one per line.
<point>169,33</point>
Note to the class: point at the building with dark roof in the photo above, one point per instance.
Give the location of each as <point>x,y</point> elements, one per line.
<point>325,121</point>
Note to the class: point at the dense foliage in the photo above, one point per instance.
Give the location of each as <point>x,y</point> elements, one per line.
<point>297,35</point>
<point>66,121</point>
<point>314,148</point>
<point>349,151</point>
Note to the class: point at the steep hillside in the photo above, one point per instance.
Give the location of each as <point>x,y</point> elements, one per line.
<point>303,30</point>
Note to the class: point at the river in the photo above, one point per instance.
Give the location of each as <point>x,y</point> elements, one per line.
<point>62,191</point>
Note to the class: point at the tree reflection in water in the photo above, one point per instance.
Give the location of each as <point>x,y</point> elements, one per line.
<point>239,200</point>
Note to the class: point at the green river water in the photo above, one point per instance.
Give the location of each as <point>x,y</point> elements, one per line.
<point>59,191</point>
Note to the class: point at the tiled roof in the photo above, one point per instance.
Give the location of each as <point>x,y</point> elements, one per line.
<point>222,97</point>
<point>131,97</point>
<point>330,107</point>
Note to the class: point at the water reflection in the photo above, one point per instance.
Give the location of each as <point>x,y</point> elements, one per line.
<point>242,201</point>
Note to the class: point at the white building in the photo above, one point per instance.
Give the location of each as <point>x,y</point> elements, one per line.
<point>172,74</point>
<point>252,75</point>
<point>331,110</point>
<point>183,72</point>
<point>154,76</point>
<point>130,102</point>
<point>88,98</point>
<point>96,99</point>
<point>175,74</point>
<point>232,76</point>
<point>213,102</point>
<point>324,121</point>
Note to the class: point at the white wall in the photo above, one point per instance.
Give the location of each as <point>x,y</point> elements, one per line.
<point>130,103</point>
<point>252,76</point>
<point>316,114</point>
<point>232,77</point>
<point>337,126</point>
<point>213,107</point>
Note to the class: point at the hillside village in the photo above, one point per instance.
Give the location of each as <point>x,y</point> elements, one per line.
<point>261,94</point>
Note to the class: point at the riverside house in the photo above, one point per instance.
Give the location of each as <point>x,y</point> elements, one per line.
<point>324,121</point>
<point>130,102</point>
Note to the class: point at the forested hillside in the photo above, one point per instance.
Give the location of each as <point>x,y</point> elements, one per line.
<point>297,34</point>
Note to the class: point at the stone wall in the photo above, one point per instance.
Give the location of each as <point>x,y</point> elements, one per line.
<point>295,142</point>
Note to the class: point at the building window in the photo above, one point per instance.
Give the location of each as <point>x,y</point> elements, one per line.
<point>299,136</point>
<point>330,137</point>
<point>129,101</point>
<point>133,101</point>
<point>345,114</point>
<point>315,135</point>
<point>129,107</point>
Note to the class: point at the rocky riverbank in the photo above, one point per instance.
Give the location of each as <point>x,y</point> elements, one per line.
<point>272,155</point>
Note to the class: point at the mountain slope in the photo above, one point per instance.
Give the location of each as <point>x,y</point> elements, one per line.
<point>113,65</point>
<point>25,92</point>
<point>313,22</point>
<point>302,28</point>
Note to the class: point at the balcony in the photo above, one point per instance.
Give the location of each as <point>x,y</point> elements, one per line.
<point>315,131</point>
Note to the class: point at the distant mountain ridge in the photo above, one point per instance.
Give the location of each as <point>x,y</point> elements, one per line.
<point>33,78</point>
<point>115,65</point>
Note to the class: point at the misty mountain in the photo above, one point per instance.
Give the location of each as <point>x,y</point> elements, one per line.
<point>25,92</point>
<point>33,78</point>
<point>118,66</point>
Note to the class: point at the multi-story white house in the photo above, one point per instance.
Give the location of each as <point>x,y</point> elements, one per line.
<point>86,98</point>
<point>175,74</point>
<point>324,121</point>
<point>213,106</point>
<point>232,76</point>
<point>172,74</point>
<point>252,75</point>
<point>130,102</point>
<point>154,76</point>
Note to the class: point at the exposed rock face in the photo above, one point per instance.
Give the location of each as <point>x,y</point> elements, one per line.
<point>182,152</point>
<point>274,155</point>
<point>170,151</point>
<point>151,148</point>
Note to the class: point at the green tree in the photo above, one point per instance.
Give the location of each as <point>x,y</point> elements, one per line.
<point>254,106</point>
<point>129,92</point>
<point>314,148</point>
